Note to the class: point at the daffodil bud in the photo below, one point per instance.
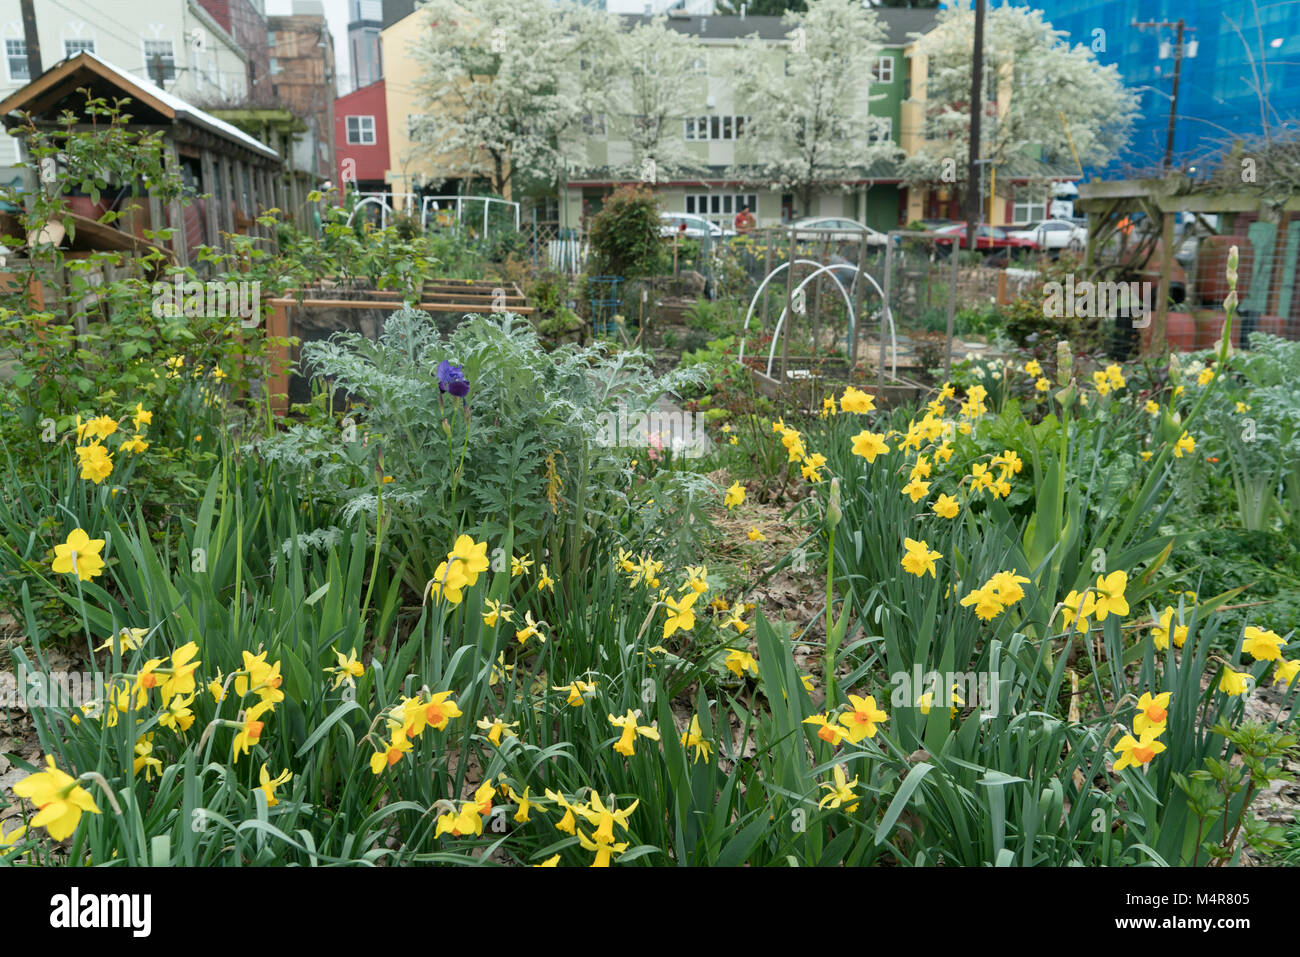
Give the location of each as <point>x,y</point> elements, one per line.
<point>1230,302</point>
<point>1064,362</point>
<point>1232,267</point>
<point>833,513</point>
<point>1175,368</point>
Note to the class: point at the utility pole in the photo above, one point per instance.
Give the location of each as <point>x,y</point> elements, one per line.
<point>31,39</point>
<point>973,195</point>
<point>1180,49</point>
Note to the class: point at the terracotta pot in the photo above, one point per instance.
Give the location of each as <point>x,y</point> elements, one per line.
<point>1180,333</point>
<point>1209,326</point>
<point>1212,267</point>
<point>1273,325</point>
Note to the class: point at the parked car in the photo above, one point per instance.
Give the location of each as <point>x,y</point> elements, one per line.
<point>690,226</point>
<point>988,239</point>
<point>837,228</point>
<point>1053,234</point>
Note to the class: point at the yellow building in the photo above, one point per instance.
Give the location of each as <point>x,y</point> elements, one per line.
<point>413,165</point>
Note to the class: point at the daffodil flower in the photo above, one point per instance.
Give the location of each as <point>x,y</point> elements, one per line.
<point>841,791</point>
<point>268,784</point>
<point>58,796</point>
<point>626,744</point>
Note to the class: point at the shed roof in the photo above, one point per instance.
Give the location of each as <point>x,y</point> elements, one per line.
<point>86,69</point>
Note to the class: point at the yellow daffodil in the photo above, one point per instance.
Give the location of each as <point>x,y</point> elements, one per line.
<point>681,614</point>
<point>862,717</point>
<point>1262,645</point>
<point>625,745</point>
<point>1286,673</point>
<point>869,445</point>
<point>841,791</point>
<point>59,798</point>
<point>855,400</point>
<point>739,662</point>
<point>531,629</point>
<point>1152,711</point>
<point>693,737</point>
<point>1110,598</point>
<point>268,784</point>
<point>496,729</point>
<point>348,669</point>
<point>735,495</point>
<point>1133,752</point>
<point>1160,633</point>
<point>1234,682</point>
<point>918,558</point>
<point>79,555</point>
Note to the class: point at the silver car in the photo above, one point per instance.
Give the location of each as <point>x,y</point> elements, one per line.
<point>1053,234</point>
<point>690,226</point>
<point>837,228</point>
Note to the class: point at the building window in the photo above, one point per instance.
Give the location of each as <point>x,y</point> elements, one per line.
<point>1028,209</point>
<point>593,124</point>
<point>714,127</point>
<point>882,71</point>
<point>361,130</point>
<point>270,38</point>
<point>72,47</point>
<point>159,51</point>
<point>720,207</point>
<point>16,58</point>
<point>880,129</point>
<point>700,65</point>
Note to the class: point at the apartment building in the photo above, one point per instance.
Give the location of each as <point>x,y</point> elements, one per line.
<point>712,128</point>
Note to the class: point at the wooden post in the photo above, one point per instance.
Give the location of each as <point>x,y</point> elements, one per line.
<point>277,383</point>
<point>769,243</point>
<point>227,218</point>
<point>175,211</point>
<point>859,293</point>
<point>211,223</point>
<point>789,303</point>
<point>1162,294</point>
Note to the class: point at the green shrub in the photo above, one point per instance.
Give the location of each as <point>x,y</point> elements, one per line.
<point>625,234</point>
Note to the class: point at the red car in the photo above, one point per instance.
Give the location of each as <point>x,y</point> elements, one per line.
<point>988,239</point>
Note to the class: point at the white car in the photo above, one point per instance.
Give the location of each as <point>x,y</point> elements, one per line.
<point>696,227</point>
<point>1054,234</point>
<point>837,228</point>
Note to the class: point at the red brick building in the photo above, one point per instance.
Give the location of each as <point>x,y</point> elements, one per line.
<point>247,25</point>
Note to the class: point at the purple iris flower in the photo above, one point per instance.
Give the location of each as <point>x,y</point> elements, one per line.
<point>452,379</point>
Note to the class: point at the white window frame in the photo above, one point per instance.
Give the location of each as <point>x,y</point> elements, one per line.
<point>361,130</point>
<point>722,127</point>
<point>593,124</point>
<point>718,207</point>
<point>699,65</point>
<point>1027,205</point>
<point>882,71</point>
<point>10,57</point>
<point>880,129</point>
<point>83,44</point>
<point>169,72</point>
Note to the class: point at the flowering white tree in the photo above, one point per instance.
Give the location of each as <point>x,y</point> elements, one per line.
<point>643,72</point>
<point>808,118</point>
<point>504,80</point>
<point>1041,95</point>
